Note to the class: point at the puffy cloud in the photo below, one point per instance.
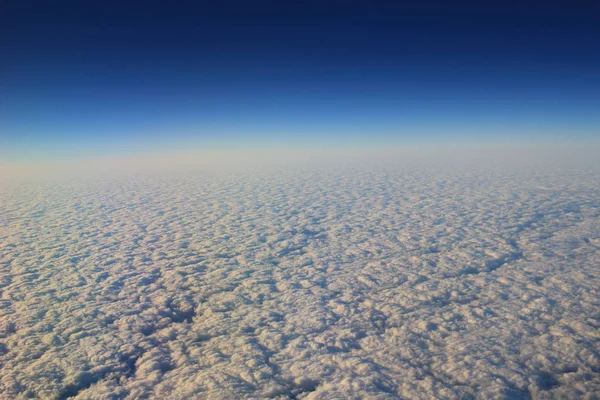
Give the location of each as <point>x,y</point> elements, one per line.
<point>327,283</point>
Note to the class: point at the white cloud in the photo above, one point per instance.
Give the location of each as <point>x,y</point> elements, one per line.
<point>309,283</point>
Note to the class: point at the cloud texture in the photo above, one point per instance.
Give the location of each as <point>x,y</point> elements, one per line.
<point>309,284</point>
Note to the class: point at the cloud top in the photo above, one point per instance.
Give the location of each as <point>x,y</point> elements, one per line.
<point>338,282</point>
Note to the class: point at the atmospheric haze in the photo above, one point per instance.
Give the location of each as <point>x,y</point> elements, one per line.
<point>389,278</point>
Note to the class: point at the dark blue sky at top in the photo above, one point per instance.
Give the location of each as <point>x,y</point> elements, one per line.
<point>90,75</point>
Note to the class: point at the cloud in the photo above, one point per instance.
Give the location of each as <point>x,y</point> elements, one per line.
<point>306,283</point>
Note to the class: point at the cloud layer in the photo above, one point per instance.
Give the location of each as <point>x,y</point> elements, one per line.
<point>309,284</point>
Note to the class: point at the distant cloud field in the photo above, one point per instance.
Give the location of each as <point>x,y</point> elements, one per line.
<point>349,282</point>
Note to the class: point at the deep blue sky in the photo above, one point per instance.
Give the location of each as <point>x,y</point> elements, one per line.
<point>98,77</point>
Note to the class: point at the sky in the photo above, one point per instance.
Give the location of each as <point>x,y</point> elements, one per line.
<point>80,78</point>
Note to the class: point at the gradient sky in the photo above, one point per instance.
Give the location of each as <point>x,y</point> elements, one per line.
<point>101,77</point>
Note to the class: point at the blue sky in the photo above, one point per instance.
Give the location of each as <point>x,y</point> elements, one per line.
<point>79,78</point>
